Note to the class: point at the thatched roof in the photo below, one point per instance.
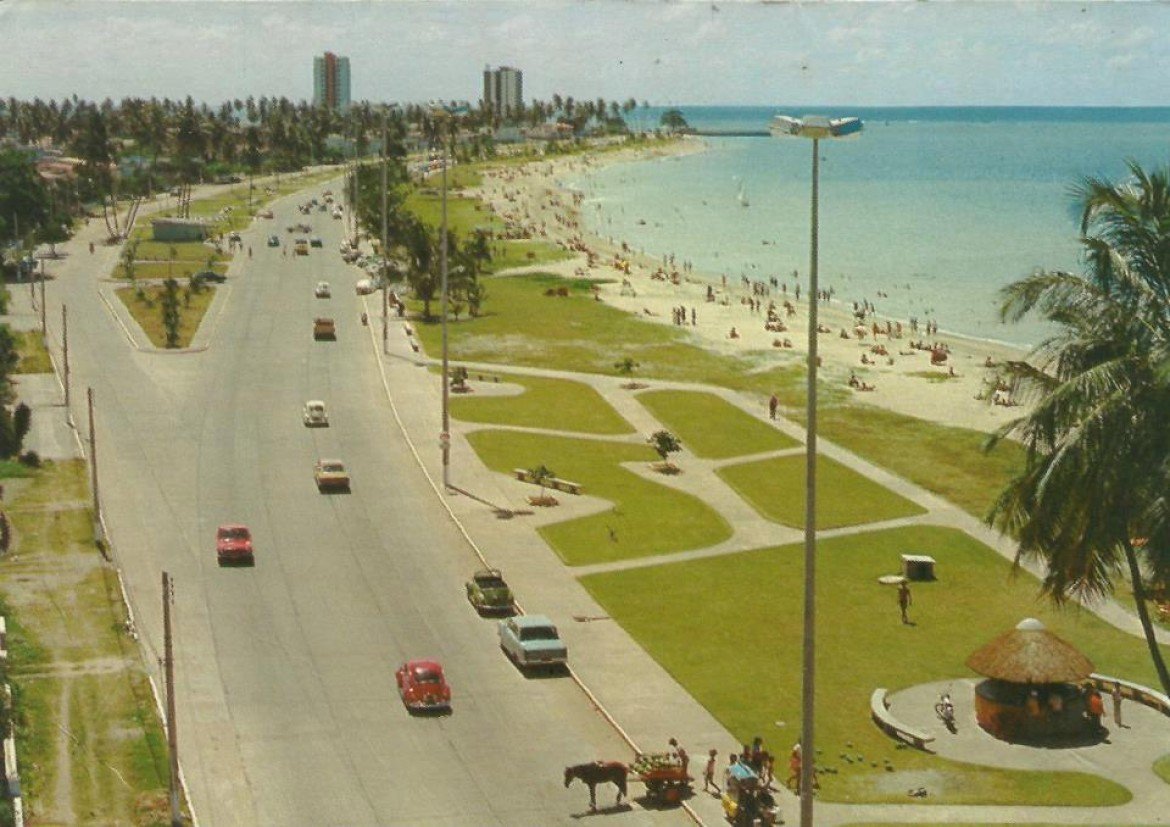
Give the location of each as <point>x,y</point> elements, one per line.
<point>1030,653</point>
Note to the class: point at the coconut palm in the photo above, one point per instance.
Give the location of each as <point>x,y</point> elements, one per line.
<point>1091,501</point>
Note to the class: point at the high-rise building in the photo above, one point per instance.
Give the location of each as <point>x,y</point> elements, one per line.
<point>331,81</point>
<point>503,89</point>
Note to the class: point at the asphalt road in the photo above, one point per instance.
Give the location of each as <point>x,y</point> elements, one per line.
<point>288,712</point>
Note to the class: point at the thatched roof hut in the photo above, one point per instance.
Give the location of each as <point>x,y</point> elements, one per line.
<point>1030,654</point>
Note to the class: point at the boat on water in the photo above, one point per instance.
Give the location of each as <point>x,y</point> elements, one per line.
<point>815,126</point>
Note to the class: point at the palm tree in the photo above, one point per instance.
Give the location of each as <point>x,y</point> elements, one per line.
<point>1092,498</point>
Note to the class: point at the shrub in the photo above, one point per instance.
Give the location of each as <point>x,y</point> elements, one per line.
<point>31,458</point>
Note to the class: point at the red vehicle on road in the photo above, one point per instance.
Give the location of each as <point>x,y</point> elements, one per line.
<point>422,686</point>
<point>233,544</point>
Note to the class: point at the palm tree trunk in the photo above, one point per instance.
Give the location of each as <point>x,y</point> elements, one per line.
<point>1139,597</point>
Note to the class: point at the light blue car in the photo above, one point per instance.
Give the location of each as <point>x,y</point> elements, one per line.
<point>532,640</point>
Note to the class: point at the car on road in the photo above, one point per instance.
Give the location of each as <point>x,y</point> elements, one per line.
<point>302,247</point>
<point>422,686</point>
<point>330,475</point>
<point>264,214</point>
<point>210,275</point>
<point>532,640</point>
<point>488,592</point>
<point>324,328</point>
<point>233,545</point>
<point>316,241</point>
<point>315,414</point>
<point>337,212</point>
<point>322,290</point>
<point>364,287</point>
<point>273,241</point>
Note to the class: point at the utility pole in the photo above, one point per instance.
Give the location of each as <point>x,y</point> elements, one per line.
<point>445,436</point>
<point>385,242</point>
<point>44,320</point>
<point>93,475</point>
<point>168,588</point>
<point>65,350</point>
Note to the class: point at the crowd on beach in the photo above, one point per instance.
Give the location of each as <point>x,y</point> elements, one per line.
<point>862,350</point>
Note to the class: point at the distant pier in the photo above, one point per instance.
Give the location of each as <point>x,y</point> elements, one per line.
<point>730,133</point>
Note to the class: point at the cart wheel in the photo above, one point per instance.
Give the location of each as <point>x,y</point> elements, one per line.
<point>672,794</point>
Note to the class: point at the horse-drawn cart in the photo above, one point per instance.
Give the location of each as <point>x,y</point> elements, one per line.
<point>664,775</point>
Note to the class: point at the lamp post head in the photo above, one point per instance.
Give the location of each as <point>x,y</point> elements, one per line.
<point>815,127</point>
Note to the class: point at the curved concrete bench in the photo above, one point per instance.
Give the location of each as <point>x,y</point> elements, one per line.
<point>879,708</point>
<point>1132,691</point>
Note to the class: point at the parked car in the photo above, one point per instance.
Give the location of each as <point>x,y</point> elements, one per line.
<point>532,640</point>
<point>233,545</point>
<point>324,328</point>
<point>264,214</point>
<point>210,275</point>
<point>330,475</point>
<point>322,290</point>
<point>337,212</point>
<point>273,241</point>
<point>364,287</point>
<point>316,241</point>
<point>489,593</point>
<point>422,686</point>
<point>302,247</point>
<point>315,414</point>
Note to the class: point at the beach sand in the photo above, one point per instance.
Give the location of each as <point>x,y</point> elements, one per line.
<point>534,199</point>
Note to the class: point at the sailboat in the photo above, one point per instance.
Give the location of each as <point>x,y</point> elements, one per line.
<point>742,197</point>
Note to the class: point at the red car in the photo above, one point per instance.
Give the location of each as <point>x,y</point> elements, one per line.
<point>233,544</point>
<point>422,686</point>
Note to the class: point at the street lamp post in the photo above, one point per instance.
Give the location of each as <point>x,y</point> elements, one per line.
<point>445,437</point>
<point>816,128</point>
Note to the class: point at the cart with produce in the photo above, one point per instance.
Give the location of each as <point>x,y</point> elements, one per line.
<point>664,775</point>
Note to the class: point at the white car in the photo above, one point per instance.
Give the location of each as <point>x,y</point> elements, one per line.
<point>315,414</point>
<point>364,287</point>
<point>532,640</point>
<point>322,290</point>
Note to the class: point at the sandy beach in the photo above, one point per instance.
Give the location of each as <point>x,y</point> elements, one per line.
<point>884,362</point>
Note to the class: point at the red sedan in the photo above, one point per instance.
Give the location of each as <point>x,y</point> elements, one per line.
<point>233,544</point>
<point>422,685</point>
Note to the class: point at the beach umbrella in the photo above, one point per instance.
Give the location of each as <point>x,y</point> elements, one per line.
<point>1030,653</point>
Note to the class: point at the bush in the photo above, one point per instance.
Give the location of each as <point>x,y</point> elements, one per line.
<point>31,458</point>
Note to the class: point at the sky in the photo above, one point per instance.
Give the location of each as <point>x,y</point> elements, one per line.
<point>853,52</point>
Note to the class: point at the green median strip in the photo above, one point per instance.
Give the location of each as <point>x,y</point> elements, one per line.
<point>146,307</point>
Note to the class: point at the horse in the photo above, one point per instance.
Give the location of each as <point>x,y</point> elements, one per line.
<point>599,772</point>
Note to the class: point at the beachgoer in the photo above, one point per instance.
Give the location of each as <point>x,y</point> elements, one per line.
<point>709,772</point>
<point>905,601</point>
<point>734,334</point>
<point>795,768</point>
<point>1094,707</point>
<point>773,404</point>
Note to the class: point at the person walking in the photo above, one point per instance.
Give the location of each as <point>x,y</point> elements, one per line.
<point>905,601</point>
<point>1117,704</point>
<point>795,767</point>
<point>773,405</point>
<point>709,773</point>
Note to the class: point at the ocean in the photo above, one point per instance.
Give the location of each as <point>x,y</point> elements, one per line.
<point>928,213</point>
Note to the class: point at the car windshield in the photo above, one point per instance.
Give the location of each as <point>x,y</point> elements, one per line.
<point>426,676</point>
<point>539,633</point>
<point>491,583</point>
<point>233,533</point>
<point>333,467</point>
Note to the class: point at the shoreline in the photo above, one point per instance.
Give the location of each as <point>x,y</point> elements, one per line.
<point>883,370</point>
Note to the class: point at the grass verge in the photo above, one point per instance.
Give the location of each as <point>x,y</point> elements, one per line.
<point>146,308</point>
<point>573,406</point>
<point>775,488</point>
<point>862,644</point>
<point>646,519</point>
<point>711,427</point>
<point>34,357</point>
<point>1162,768</point>
<point>90,746</point>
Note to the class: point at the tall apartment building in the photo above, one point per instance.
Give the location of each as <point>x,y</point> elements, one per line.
<point>331,81</point>
<point>503,89</point>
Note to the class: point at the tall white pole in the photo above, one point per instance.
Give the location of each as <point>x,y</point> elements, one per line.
<point>808,686</point>
<point>445,437</point>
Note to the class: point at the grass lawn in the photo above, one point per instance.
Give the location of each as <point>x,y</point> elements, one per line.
<point>711,427</point>
<point>181,270</point>
<point>862,645</point>
<point>148,312</point>
<point>646,519</point>
<point>11,469</point>
<point>775,488</point>
<point>103,718</point>
<point>186,252</point>
<point>34,358</point>
<point>562,403</point>
<point>1162,768</point>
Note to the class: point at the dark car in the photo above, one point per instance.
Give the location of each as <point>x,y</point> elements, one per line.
<point>273,241</point>
<point>316,241</point>
<point>210,275</point>
<point>489,593</point>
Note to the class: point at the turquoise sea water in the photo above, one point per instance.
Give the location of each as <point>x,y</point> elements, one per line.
<point>935,208</point>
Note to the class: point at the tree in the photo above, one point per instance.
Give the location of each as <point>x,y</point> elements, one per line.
<point>672,120</point>
<point>1093,498</point>
<point>171,318</point>
<point>541,475</point>
<point>665,443</point>
<point>626,366</point>
<point>24,200</point>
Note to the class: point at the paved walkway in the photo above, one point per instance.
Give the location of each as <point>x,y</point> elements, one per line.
<point>656,707</point>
